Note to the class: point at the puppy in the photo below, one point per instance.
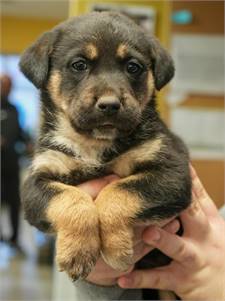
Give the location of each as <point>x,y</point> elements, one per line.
<point>97,76</point>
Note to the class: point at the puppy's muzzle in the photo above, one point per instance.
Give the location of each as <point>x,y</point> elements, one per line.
<point>108,105</point>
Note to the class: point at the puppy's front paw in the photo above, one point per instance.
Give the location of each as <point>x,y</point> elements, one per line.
<point>78,249</point>
<point>76,255</point>
<point>117,247</point>
<point>117,210</point>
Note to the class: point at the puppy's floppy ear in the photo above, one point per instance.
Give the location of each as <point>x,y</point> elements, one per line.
<point>163,66</point>
<point>34,62</point>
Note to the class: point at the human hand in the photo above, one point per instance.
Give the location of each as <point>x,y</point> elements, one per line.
<point>93,187</point>
<point>102,274</point>
<point>197,271</point>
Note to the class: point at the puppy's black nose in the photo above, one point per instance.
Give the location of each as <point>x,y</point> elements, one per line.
<point>108,104</point>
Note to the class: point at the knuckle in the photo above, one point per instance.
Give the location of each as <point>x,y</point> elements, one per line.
<point>189,256</point>
<point>187,253</point>
<point>180,251</point>
<point>194,209</point>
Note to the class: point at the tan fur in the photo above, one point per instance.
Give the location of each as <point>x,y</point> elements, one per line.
<point>56,162</point>
<point>65,209</point>
<point>112,199</point>
<point>117,208</point>
<point>121,51</point>
<point>123,165</point>
<point>74,216</point>
<point>89,149</point>
<point>91,51</point>
<point>53,87</point>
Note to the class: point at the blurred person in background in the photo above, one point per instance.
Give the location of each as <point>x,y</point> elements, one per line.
<point>11,133</point>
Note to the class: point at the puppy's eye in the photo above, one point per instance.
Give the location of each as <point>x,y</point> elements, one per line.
<point>80,65</point>
<point>134,67</point>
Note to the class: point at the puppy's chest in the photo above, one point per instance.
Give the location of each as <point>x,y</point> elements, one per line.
<point>82,164</point>
<point>121,165</point>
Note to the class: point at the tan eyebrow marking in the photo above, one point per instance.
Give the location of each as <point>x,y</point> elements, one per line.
<point>122,51</point>
<point>91,51</point>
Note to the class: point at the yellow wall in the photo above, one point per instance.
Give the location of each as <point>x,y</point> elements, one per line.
<point>19,32</point>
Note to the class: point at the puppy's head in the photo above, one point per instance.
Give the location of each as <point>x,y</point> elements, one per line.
<point>100,71</point>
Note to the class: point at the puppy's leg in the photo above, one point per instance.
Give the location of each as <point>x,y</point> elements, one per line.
<point>72,215</point>
<point>75,218</point>
<point>141,197</point>
<point>117,210</point>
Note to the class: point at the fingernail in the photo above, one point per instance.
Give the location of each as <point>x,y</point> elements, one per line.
<point>125,281</point>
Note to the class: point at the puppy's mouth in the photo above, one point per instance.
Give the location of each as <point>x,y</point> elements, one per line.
<point>105,131</point>
<point>106,127</point>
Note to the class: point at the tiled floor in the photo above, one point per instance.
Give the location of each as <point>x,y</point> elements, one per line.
<point>21,278</point>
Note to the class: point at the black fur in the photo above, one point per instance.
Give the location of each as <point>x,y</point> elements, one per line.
<point>36,188</point>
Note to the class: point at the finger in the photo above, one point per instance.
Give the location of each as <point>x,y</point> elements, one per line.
<point>93,187</point>
<point>198,190</point>
<point>194,221</point>
<point>141,249</point>
<point>137,234</point>
<point>111,178</point>
<point>171,245</point>
<point>199,193</point>
<point>172,227</point>
<point>104,274</point>
<point>154,278</point>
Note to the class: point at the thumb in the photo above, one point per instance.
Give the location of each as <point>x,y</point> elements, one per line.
<point>93,187</point>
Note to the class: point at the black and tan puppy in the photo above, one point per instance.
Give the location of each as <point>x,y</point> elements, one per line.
<point>98,75</point>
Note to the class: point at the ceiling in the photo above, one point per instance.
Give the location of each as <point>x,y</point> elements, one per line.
<point>52,9</point>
